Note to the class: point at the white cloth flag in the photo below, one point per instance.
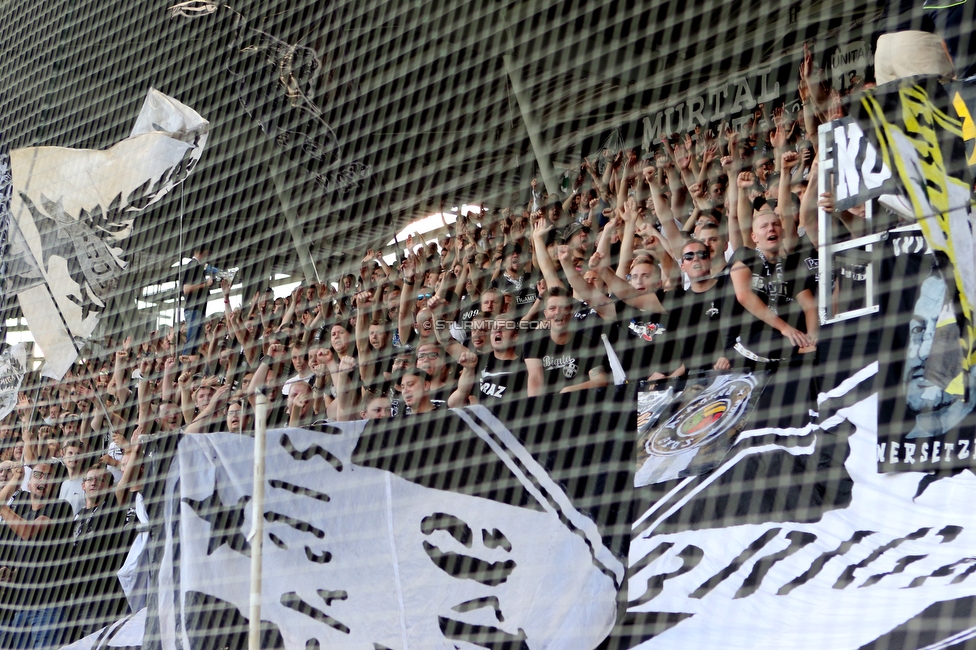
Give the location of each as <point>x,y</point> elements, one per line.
<point>359,557</point>
<point>72,210</point>
<point>13,365</point>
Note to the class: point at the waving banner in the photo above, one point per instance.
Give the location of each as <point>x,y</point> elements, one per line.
<point>73,209</point>
<point>365,548</point>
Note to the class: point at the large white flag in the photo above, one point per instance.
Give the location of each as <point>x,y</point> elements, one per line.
<point>72,210</point>
<point>357,556</point>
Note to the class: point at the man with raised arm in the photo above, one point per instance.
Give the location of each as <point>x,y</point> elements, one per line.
<point>36,535</point>
<point>500,375</point>
<point>698,317</point>
<point>101,542</point>
<point>774,299</point>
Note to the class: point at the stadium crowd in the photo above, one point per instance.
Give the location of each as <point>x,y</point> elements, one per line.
<point>697,256</point>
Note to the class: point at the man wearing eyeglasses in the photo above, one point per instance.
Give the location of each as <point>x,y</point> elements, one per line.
<point>431,359</point>
<point>36,539</point>
<point>101,542</point>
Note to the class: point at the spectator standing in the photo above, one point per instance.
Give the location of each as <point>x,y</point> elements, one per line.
<point>72,488</point>
<point>38,532</point>
<point>699,317</point>
<point>196,290</point>
<point>99,547</point>
<point>562,358</point>
<point>770,289</point>
<point>501,375</point>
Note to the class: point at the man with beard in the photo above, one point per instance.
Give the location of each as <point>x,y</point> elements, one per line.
<point>562,358</point>
<point>576,236</point>
<point>101,542</point>
<point>36,536</point>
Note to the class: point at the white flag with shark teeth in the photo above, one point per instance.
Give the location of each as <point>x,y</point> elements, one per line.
<point>73,209</point>
<point>360,557</point>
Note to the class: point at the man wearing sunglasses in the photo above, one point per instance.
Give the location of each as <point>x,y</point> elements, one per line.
<point>698,316</point>
<point>35,537</point>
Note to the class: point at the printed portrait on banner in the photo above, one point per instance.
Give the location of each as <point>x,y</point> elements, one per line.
<point>903,146</point>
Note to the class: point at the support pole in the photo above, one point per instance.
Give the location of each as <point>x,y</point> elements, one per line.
<point>257,519</point>
<point>532,125</point>
<point>293,222</point>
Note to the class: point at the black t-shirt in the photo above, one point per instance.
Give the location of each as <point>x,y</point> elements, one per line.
<point>522,290</point>
<point>699,324</point>
<point>809,263</point>
<point>469,310</point>
<point>777,284</point>
<point>382,364</point>
<point>501,380</point>
<point>565,364</point>
<point>195,273</point>
<point>587,319</point>
<point>638,340</point>
<point>437,404</point>
<point>41,563</point>
<point>100,545</point>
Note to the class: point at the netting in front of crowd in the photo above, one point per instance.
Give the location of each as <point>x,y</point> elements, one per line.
<point>487,325</point>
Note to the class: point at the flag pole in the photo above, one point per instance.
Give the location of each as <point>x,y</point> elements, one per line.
<point>257,518</point>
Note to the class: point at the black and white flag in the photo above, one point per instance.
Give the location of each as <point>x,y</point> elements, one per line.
<point>360,556</point>
<point>797,541</point>
<point>72,210</point>
<point>13,365</point>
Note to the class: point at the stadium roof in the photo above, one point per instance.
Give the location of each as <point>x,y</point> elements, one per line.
<point>406,103</point>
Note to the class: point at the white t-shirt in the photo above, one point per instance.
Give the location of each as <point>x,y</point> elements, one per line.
<point>291,380</point>
<point>72,492</point>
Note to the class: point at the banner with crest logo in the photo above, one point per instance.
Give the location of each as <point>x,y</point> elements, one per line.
<point>687,430</point>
